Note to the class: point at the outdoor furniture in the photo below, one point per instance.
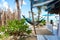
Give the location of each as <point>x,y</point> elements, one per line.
<point>30,21</point>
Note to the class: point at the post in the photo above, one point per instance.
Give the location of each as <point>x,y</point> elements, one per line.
<point>59,26</point>
<point>3,17</point>
<point>29,14</point>
<point>32,16</point>
<point>48,18</point>
<point>47,22</point>
<point>33,22</point>
<point>39,10</point>
<point>51,22</point>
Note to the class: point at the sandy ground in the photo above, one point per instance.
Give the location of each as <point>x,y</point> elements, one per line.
<point>43,31</point>
<point>32,38</point>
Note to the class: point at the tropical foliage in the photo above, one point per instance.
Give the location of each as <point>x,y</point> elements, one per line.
<point>43,22</point>
<point>16,28</point>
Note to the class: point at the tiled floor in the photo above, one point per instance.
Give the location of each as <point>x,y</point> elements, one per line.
<point>46,37</point>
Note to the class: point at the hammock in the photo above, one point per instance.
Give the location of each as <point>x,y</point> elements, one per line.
<point>30,21</point>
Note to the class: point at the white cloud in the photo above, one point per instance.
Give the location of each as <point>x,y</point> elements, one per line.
<point>11,10</point>
<point>3,0</point>
<point>23,2</point>
<point>4,4</point>
<point>0,5</point>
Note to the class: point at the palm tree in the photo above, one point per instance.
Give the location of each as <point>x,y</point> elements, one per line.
<point>39,11</point>
<point>29,14</point>
<point>18,9</point>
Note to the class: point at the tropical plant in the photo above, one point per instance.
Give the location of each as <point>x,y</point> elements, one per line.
<point>43,22</point>
<point>39,11</point>
<point>16,28</point>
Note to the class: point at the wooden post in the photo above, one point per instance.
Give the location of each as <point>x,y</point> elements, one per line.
<point>33,17</point>
<point>39,10</point>
<point>29,14</point>
<point>2,17</point>
<point>33,22</point>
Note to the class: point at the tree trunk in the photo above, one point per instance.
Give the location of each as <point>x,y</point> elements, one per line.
<point>33,17</point>
<point>29,14</point>
<point>33,22</point>
<point>39,11</point>
<point>18,10</point>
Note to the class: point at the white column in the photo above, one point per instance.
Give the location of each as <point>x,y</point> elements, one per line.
<point>49,26</point>
<point>59,26</point>
<point>48,18</point>
<point>47,23</point>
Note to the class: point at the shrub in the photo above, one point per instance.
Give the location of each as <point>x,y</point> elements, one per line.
<point>16,27</point>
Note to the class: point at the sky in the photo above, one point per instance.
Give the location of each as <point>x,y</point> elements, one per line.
<point>5,4</point>
<point>11,4</point>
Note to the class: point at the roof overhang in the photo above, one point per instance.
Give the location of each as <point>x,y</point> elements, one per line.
<point>42,3</point>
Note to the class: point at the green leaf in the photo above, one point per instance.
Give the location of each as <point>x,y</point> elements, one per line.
<point>15,27</point>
